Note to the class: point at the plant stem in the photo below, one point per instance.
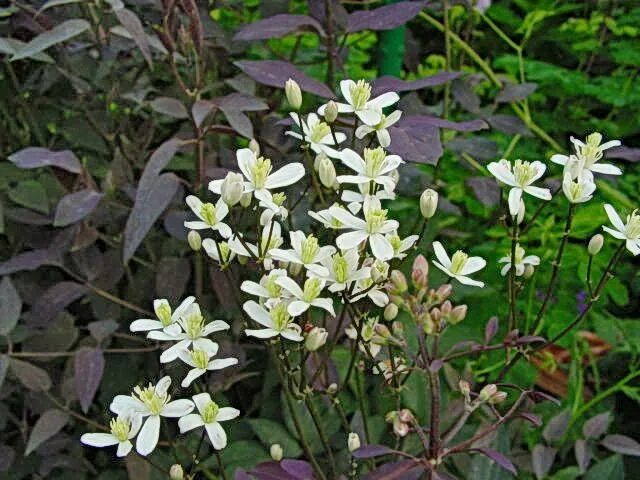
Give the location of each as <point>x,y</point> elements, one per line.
<point>321,433</point>
<point>223,474</point>
<point>513,323</point>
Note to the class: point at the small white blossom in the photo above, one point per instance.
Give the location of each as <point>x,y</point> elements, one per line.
<point>201,362</point>
<point>123,429</point>
<point>317,134</point>
<point>167,320</point>
<point>210,216</point>
<point>375,167</point>
<point>459,266</point>
<point>629,231</point>
<point>277,321</point>
<point>305,250</point>
<point>306,297</point>
<point>215,249</point>
<point>326,219</point>
<point>520,260</point>
<point>401,245</point>
<point>384,139</point>
<point>578,189</point>
<point>368,337</point>
<point>151,402</point>
<point>268,290</point>
<point>520,177</point>
<point>340,270</point>
<point>354,200</point>
<point>209,415</point>
<point>374,291</point>
<point>270,238</point>
<point>591,152</point>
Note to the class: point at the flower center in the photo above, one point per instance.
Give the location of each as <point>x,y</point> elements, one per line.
<point>458,261</point>
<point>120,428</point>
<point>193,325</point>
<point>519,254</point>
<point>632,229</point>
<point>151,399</point>
<point>575,190</point>
<point>319,131</point>
<point>373,161</point>
<point>200,359</point>
<point>524,172</point>
<point>591,151</point>
<point>375,218</point>
<point>224,251</point>
<point>369,329</point>
<point>210,412</point>
<point>396,243</point>
<point>279,199</point>
<point>260,171</point>
<point>309,249</point>
<point>340,268</point>
<point>163,312</point>
<point>208,213</point>
<point>312,288</point>
<point>360,94</point>
<point>269,243</point>
<point>280,317</point>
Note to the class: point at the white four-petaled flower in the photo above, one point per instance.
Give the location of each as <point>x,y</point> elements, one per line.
<point>167,320</point>
<point>520,176</point>
<point>123,429</point>
<point>591,152</point>
<point>209,415</point>
<point>210,216</point>
<point>628,231</point>
<point>381,128</point>
<point>201,362</point>
<point>459,266</point>
<point>277,321</point>
<point>521,261</point>
<point>317,134</point>
<point>376,166</point>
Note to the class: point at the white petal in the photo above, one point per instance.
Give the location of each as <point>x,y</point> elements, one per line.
<point>189,422</point>
<point>345,88</point>
<point>351,239</point>
<point>543,193</point>
<point>217,435</point>
<point>293,335</point>
<point>352,160</point>
<point>468,281</point>
<point>245,159</point>
<point>364,130</point>
<point>144,325</point>
<point>178,408</point>
<point>263,333</point>
<point>443,268</point>
<point>191,376</point>
<point>614,233</point>
<point>148,436</point>
<point>171,353</point>
<point>297,307</point>
<point>473,265</point>
<point>221,363</point>
<point>227,413</point>
<point>614,218</point>
<point>380,247</point>
<point>325,304</point>
<point>633,246</point>
<point>384,100</point>
<point>369,116</point>
<point>441,255</point>
<point>98,439</point>
<point>559,159</point>
<point>384,139</point>
<point>502,173</point>
<point>124,448</point>
<point>194,204</point>
<point>201,400</point>
<point>257,313</point>
<point>515,195</point>
<point>253,288</point>
<point>287,175</point>
<point>605,168</point>
<point>291,286</point>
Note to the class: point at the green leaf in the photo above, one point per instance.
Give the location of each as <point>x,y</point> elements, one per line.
<point>612,469</point>
<point>244,453</point>
<point>270,432</point>
<point>30,194</point>
<point>50,423</point>
<point>10,306</point>
<point>57,34</point>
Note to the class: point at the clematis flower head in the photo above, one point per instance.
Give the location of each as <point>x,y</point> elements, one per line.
<point>201,363</point>
<point>317,134</point>
<point>210,216</point>
<point>591,152</point>
<point>209,416</point>
<point>628,231</point>
<point>376,166</point>
<point>520,176</point>
<point>277,320</point>
<point>459,266</point>
<point>167,320</point>
<point>381,128</point>
<point>122,430</point>
<point>521,261</point>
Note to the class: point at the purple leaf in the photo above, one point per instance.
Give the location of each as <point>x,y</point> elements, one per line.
<point>478,147</point>
<point>384,18</point>
<point>241,474</point>
<point>557,426</point>
<point>32,377</point>
<point>401,470</point>
<point>270,471</point>
<point>624,153</point>
<point>317,9</point>
<point>388,83</point>
<point>29,261</point>
<point>88,366</point>
<point>35,157</point>
<point>465,96</point>
<point>201,109</point>
<point>490,329</point>
<point>529,339</point>
<point>426,120</point>
<point>538,397</point>
<point>509,124</point>
<point>583,454</point>
<point>488,192</point>
<point>515,91</point>
<point>133,25</point>
<point>498,458</point>
<point>370,451</point>
<point>596,426</point>
<point>75,206</point>
<point>50,423</point>
<point>240,102</point>
<point>102,329</point>
<point>171,107</point>
<point>53,301</point>
<point>10,306</point>
<point>621,444</point>
<point>275,73</point>
<point>420,144</point>
<point>172,275</point>
<point>531,418</point>
<point>300,469</point>
<point>542,460</point>
<point>276,26</point>
<point>436,365</point>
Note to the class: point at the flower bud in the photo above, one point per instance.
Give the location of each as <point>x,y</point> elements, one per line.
<point>445,308</point>
<point>428,203</point>
<point>487,392</point>
<point>316,338</point>
<point>390,311</point>
<point>444,292</point>
<point>521,212</point>
<point>457,314</point>
<point>353,442</point>
<point>243,260</point>
<point>529,270</point>
<point>498,397</point>
<point>195,240</point>
<point>232,188</point>
<point>465,388</point>
<point>276,452</point>
<point>294,95</point>
<point>405,415</point>
<point>332,389</point>
<point>420,272</point>
<point>245,200</point>
<point>327,172</point>
<point>401,429</point>
<point>295,269</point>
<point>398,329</point>
<point>382,330</point>
<point>331,112</point>
<point>176,472</point>
<point>435,315</point>
<point>254,147</point>
<point>398,281</point>
<point>595,244</point>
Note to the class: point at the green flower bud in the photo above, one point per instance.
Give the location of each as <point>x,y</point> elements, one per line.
<point>595,244</point>
<point>276,452</point>
<point>428,203</point>
<point>195,240</point>
<point>293,93</point>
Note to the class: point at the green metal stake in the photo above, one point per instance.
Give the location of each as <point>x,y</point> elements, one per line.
<point>391,49</point>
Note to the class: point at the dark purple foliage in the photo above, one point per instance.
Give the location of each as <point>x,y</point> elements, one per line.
<point>384,18</point>
<point>277,26</point>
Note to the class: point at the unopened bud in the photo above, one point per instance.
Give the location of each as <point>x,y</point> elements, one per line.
<point>245,200</point>
<point>465,388</point>
<point>398,329</point>
<point>435,315</point>
<point>327,172</point>
<point>420,272</point>
<point>595,244</point>
<point>232,188</point>
<point>401,429</point>
<point>529,270</point>
<point>254,147</point>
<point>295,269</point>
<point>316,338</point>
<point>243,260</point>
<point>521,212</point>
<point>405,415</point>
<point>498,397</point>
<point>276,452</point>
<point>443,292</point>
<point>428,203</point>
<point>457,314</point>
<point>331,112</point>
<point>176,472</point>
<point>353,442</point>
<point>294,95</point>
<point>195,240</point>
<point>382,330</point>
<point>445,308</point>
<point>399,281</point>
<point>390,311</point>
<point>487,392</point>
<point>333,388</point>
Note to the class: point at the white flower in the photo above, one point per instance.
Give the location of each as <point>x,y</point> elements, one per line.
<point>317,134</point>
<point>367,288</point>
<point>210,216</point>
<point>373,228</point>
<point>257,171</point>
<point>629,231</point>
<point>520,177</point>
<point>591,152</point>
<point>214,249</point>
<point>268,290</point>
<point>521,261</point>
<point>167,320</point>
<point>375,167</point>
<point>340,270</point>
<point>152,402</point>
<point>328,220</point>
<point>354,200</point>
<point>274,209</point>
<point>368,336</point>
<point>270,238</point>
<point>459,266</point>
<point>384,139</point>
<point>201,362</point>
<point>578,188</point>
<point>277,321</point>
<point>210,415</point>
<point>194,330</point>
<point>305,297</point>
<point>387,370</point>
<point>123,429</point>
<point>401,245</point>
<point>358,100</point>
<point>306,250</point>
